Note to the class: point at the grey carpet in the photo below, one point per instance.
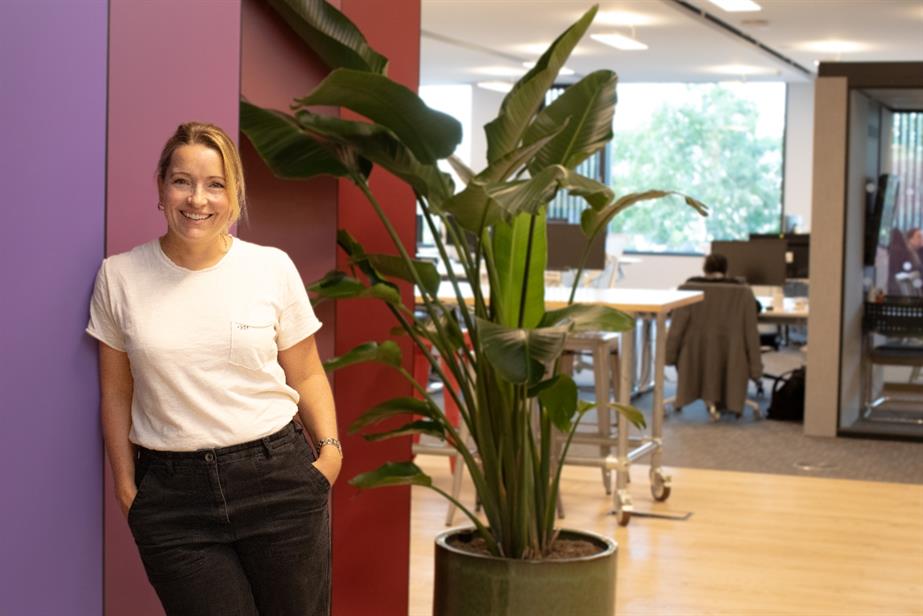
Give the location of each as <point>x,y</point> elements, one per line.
<point>692,440</point>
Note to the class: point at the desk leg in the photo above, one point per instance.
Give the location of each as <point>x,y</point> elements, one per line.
<point>660,354</point>
<point>603,408</point>
<point>621,500</point>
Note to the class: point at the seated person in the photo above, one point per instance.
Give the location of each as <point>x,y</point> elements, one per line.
<point>905,260</point>
<point>715,269</point>
<point>714,344</point>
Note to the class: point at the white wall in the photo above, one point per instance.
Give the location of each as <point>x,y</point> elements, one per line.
<point>659,271</point>
<point>799,152</point>
<point>485,104</point>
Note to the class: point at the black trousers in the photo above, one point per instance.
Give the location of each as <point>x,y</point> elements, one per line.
<point>237,531</point>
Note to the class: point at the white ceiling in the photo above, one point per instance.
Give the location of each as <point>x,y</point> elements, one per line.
<point>462,37</point>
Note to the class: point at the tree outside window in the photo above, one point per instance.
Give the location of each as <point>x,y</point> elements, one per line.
<point>720,143</point>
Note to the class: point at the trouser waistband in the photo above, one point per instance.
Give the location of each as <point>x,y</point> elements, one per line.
<point>267,442</point>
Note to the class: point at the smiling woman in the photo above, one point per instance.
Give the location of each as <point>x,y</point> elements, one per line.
<point>201,186</point>
<point>209,375</point>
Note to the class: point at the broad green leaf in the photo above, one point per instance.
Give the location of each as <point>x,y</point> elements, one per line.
<point>392,474</point>
<point>520,355</point>
<point>509,164</point>
<point>511,248</point>
<point>429,134</point>
<point>473,208</point>
<point>330,34</point>
<point>395,407</point>
<point>594,221</point>
<point>386,352</point>
<point>533,194</point>
<point>397,267</point>
<point>560,401</point>
<point>379,266</point>
<point>589,317</point>
<point>586,109</point>
<point>462,170</point>
<point>633,415</point>
<point>527,196</point>
<point>371,142</point>
<point>285,148</point>
<point>337,285</point>
<point>520,104</point>
<point>419,426</point>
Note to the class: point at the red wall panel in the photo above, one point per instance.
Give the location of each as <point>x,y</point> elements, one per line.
<point>170,61</point>
<point>370,529</point>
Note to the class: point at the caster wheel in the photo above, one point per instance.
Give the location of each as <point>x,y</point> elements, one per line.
<point>660,485</point>
<point>624,517</point>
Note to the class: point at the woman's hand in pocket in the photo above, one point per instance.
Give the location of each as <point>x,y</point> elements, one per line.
<point>329,463</point>
<point>126,497</point>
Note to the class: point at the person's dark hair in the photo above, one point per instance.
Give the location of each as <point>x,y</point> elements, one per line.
<point>715,264</point>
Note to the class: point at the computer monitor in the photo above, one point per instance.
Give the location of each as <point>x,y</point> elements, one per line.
<point>797,251</point>
<point>760,261</point>
<point>566,243</point>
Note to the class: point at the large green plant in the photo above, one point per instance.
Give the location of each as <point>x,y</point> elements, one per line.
<point>509,394</point>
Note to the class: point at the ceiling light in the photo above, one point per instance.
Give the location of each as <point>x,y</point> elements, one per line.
<point>623,18</point>
<point>496,86</point>
<point>500,71</point>
<point>564,70</point>
<point>619,41</point>
<point>737,6</point>
<point>833,46</point>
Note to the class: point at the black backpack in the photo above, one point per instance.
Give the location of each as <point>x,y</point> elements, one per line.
<point>788,396</point>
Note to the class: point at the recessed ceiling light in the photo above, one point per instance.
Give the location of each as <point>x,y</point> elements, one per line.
<point>737,6</point>
<point>834,46</point>
<point>496,86</point>
<point>619,41</point>
<point>564,70</point>
<point>500,71</point>
<point>623,18</point>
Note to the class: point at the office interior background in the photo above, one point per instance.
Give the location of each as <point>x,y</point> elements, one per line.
<point>801,118</point>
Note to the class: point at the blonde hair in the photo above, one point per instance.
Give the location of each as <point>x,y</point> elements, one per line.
<point>211,136</point>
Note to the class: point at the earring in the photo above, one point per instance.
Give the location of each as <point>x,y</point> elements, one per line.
<point>160,206</point>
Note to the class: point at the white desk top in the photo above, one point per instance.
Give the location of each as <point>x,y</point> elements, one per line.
<point>629,300</point>
<point>793,309</point>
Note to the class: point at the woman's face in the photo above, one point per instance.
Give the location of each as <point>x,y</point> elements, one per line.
<point>916,239</point>
<point>194,195</point>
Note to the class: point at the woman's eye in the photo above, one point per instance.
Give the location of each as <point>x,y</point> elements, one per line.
<point>180,181</point>
<point>217,185</point>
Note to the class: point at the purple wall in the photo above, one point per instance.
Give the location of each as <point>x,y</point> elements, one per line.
<point>52,173</point>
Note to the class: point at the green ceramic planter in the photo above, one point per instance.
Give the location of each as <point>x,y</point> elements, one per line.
<point>474,585</point>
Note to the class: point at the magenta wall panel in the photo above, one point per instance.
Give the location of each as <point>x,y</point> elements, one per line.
<point>52,170</point>
<point>170,61</point>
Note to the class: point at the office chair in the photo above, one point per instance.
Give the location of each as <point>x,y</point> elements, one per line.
<point>715,347</point>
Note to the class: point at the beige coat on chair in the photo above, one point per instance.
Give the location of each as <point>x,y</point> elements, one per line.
<point>715,346</point>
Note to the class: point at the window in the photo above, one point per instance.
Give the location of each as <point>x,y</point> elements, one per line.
<point>719,142</point>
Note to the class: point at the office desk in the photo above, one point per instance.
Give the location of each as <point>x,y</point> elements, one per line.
<point>794,311</point>
<point>651,304</point>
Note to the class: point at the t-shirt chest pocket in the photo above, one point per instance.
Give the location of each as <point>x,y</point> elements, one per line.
<point>253,343</point>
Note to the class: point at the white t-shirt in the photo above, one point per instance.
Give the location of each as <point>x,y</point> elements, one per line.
<point>203,344</point>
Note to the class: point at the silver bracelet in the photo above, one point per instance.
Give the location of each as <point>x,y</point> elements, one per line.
<point>330,441</point>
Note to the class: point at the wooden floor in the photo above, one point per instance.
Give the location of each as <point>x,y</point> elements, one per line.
<point>755,544</point>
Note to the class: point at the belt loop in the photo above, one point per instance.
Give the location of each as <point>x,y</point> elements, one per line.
<point>170,466</point>
<point>266,446</point>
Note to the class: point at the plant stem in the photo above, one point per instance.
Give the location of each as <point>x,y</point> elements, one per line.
<point>525,273</point>
<point>428,302</point>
